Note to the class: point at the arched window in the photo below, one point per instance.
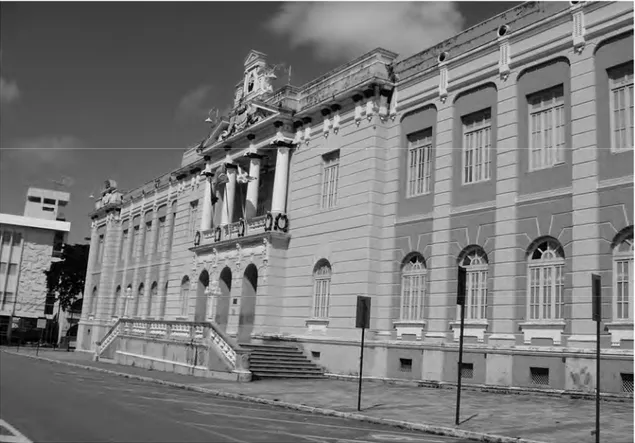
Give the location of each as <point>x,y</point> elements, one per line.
<point>474,260</point>
<point>185,295</point>
<point>152,301</point>
<point>140,294</point>
<point>545,280</point>
<point>413,283</point>
<point>623,275</point>
<point>117,301</point>
<point>93,301</point>
<point>321,289</point>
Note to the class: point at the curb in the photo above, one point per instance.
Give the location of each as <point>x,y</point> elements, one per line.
<point>429,429</point>
<point>502,390</point>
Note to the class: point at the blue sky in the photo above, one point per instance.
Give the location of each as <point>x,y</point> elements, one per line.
<point>91,91</point>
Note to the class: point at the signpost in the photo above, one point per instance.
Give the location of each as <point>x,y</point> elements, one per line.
<point>362,321</point>
<point>460,300</point>
<point>41,325</point>
<point>596,286</point>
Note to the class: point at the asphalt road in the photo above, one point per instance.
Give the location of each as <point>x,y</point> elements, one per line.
<point>49,402</point>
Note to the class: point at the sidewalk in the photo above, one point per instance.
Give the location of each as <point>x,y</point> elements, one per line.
<point>539,418</point>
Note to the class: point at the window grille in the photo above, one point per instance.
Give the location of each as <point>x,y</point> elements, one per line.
<point>627,383</point>
<point>539,376</point>
<point>405,364</point>
<point>467,370</point>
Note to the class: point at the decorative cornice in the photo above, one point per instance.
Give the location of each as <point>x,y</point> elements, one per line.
<point>280,240</point>
<point>554,193</point>
<point>476,207</point>
<point>615,182</point>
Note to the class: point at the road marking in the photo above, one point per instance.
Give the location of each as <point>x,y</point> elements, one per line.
<point>17,437</point>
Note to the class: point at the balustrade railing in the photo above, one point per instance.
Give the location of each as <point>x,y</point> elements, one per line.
<point>253,226</point>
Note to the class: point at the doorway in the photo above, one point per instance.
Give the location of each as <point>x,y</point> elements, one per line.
<point>201,297</point>
<point>224,298</point>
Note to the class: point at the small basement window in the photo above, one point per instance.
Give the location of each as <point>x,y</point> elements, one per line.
<point>539,376</point>
<point>467,370</point>
<point>405,364</point>
<point>315,355</point>
<point>627,382</point>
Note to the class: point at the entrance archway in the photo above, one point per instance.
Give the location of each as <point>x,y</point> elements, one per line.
<point>224,298</point>
<point>248,304</point>
<point>201,297</point>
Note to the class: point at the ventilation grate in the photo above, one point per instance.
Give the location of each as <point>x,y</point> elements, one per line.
<point>539,376</point>
<point>627,383</point>
<point>467,370</point>
<point>405,364</point>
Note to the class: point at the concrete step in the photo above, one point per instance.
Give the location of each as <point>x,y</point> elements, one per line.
<point>266,357</point>
<point>265,376</point>
<point>287,371</point>
<point>282,364</point>
<point>275,351</point>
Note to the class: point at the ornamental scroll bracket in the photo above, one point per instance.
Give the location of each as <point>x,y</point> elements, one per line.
<point>504,52</point>
<point>579,29</point>
<point>443,76</point>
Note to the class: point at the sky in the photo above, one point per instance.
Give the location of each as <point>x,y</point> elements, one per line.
<point>95,91</point>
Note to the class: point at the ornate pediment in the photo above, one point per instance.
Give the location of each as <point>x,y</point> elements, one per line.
<point>245,116</point>
<point>254,56</point>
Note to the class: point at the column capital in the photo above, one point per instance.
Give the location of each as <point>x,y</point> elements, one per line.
<point>253,155</point>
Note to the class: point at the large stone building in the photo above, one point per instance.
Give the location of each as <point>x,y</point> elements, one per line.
<point>28,245</point>
<point>507,149</point>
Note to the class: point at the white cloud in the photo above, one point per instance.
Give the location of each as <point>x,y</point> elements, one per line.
<point>42,155</point>
<point>9,91</point>
<point>192,106</point>
<point>343,30</point>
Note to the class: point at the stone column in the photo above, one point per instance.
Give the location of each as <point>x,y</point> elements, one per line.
<point>147,305</point>
<point>252,186</point>
<point>230,192</point>
<point>281,178</point>
<point>92,261</point>
<point>206,216</point>
<point>126,260</point>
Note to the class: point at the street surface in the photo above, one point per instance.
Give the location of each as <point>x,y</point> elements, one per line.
<point>48,402</point>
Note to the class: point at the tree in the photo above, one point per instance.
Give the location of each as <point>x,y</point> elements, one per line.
<point>66,277</point>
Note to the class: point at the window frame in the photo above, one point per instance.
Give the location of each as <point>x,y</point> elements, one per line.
<point>414,269</point>
<point>330,180</point>
<point>424,144</point>
<point>480,121</point>
<point>620,257</point>
<point>624,84</point>
<point>481,270</point>
<point>557,102</point>
<point>322,277</point>
<point>539,266</point>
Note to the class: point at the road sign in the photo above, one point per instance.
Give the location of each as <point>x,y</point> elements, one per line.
<point>460,288</point>
<point>41,323</point>
<point>363,312</point>
<point>596,283</point>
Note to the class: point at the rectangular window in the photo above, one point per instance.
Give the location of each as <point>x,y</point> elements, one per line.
<point>623,275</point>
<point>546,292</point>
<point>467,370</point>
<point>192,219</point>
<point>477,143</point>
<point>147,247</point>
<point>13,269</point>
<point>49,201</point>
<point>547,129</point>
<point>100,249</point>
<point>3,268</point>
<point>405,364</point>
<point>621,102</point>
<point>419,163</point>
<point>539,376</point>
<point>330,178</point>
<point>17,238</point>
<point>159,245</point>
<point>6,238</point>
<point>476,291</point>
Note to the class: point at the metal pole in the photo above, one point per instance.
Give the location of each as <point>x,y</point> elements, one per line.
<point>460,366</point>
<point>597,384</point>
<point>361,369</point>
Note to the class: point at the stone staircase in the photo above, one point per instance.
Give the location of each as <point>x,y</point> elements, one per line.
<point>280,361</point>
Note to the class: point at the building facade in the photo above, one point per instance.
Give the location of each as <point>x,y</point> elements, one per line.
<point>507,150</point>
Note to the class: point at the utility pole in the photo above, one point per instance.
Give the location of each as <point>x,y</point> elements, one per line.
<point>460,300</point>
<point>596,288</point>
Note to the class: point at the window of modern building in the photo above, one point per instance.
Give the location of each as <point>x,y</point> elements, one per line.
<point>193,218</point>
<point>621,99</point>
<point>321,289</point>
<point>623,277</point>
<point>547,128</point>
<point>185,295</point>
<point>474,260</point>
<point>477,143</point>
<point>49,201</point>
<point>330,178</point>
<point>160,243</point>
<point>413,284</point>
<point>545,282</point>
<point>419,163</point>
